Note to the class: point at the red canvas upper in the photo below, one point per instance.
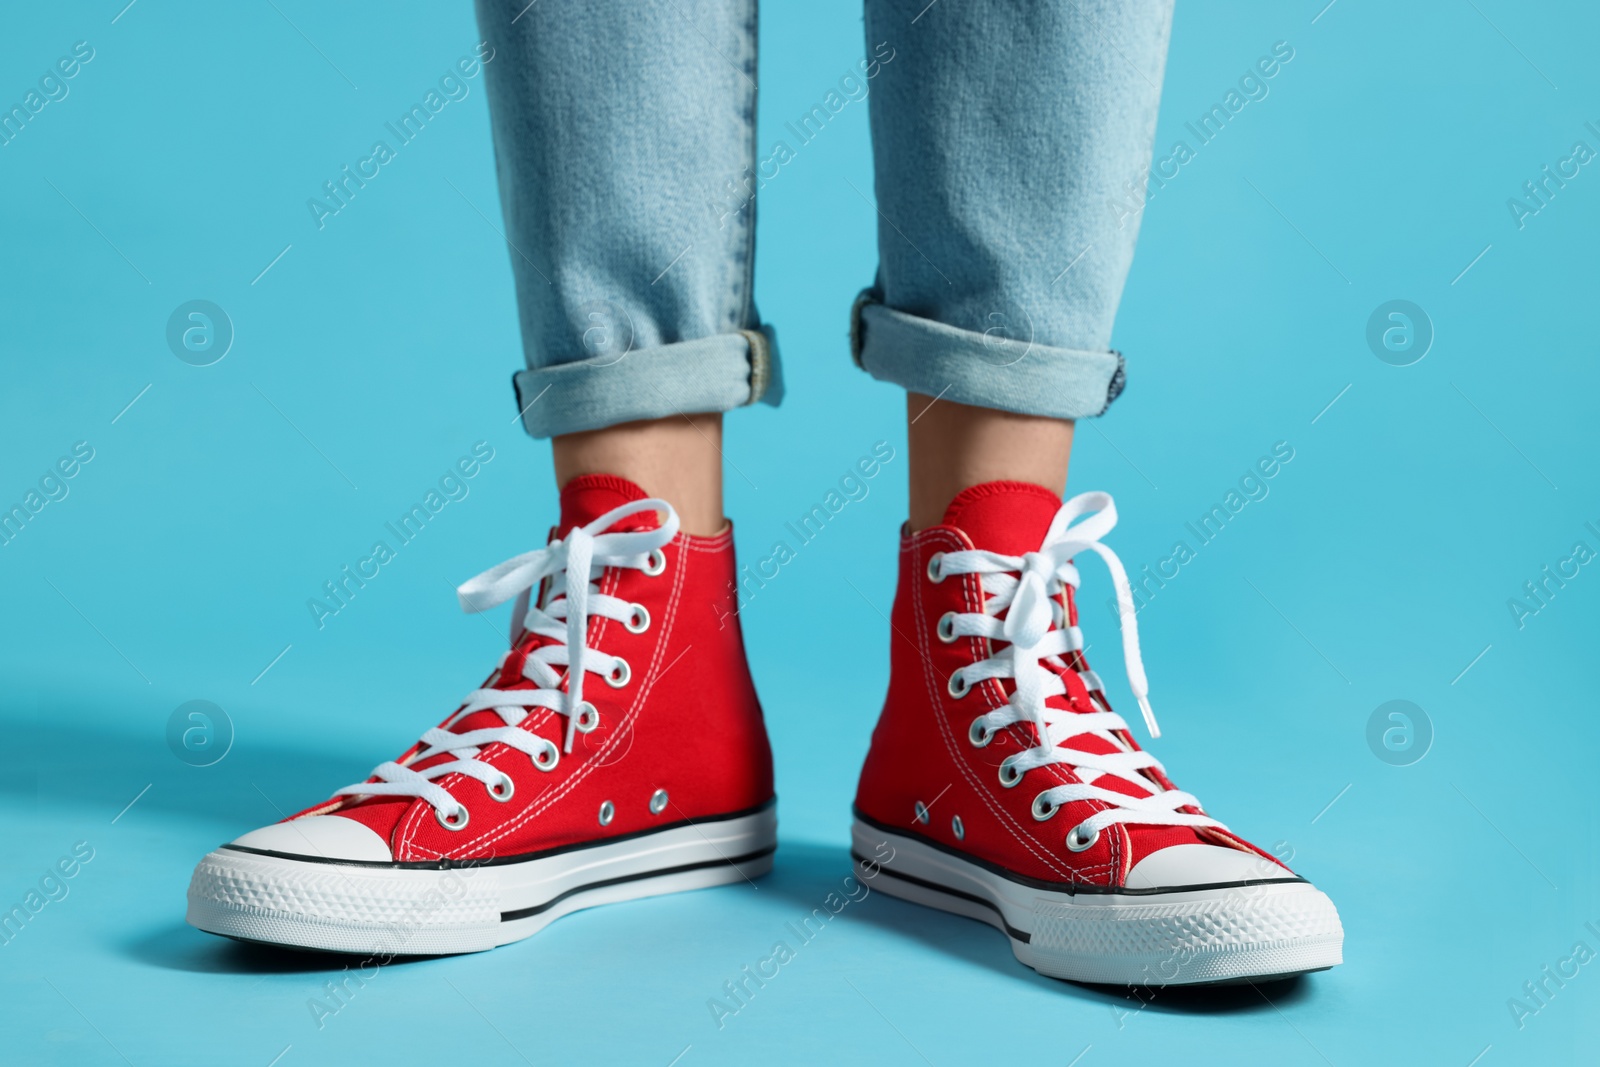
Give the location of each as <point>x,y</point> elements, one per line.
<point>920,751</point>
<point>687,721</point>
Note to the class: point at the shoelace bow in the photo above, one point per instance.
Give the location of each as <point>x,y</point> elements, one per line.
<point>573,563</point>
<point>1036,637</point>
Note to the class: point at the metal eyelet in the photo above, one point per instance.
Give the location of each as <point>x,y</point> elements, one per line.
<point>1044,809</point>
<point>935,570</point>
<point>979,734</point>
<point>608,811</point>
<point>658,802</point>
<point>655,563</point>
<point>957,828</point>
<point>586,718</point>
<point>547,758</point>
<point>958,685</point>
<point>920,810</point>
<point>1009,775</point>
<point>503,789</point>
<point>619,674</point>
<point>947,627</point>
<point>1076,843</point>
<point>639,621</point>
<point>458,822</point>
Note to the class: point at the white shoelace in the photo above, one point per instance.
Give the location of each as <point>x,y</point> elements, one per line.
<point>1022,589</point>
<point>573,563</point>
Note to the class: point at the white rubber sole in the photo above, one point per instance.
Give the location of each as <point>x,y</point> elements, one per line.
<point>386,910</point>
<point>1256,931</point>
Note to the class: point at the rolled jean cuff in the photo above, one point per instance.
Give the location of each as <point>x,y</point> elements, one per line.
<point>716,373</point>
<point>988,370</point>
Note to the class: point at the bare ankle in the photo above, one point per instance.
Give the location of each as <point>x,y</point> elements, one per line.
<point>953,446</point>
<point>678,459</point>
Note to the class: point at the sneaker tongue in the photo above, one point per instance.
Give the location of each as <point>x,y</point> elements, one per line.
<point>1010,518</point>
<point>589,496</point>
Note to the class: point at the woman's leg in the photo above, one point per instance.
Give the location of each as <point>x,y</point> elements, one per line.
<point>577,765</point>
<point>1002,134</point>
<point>619,131</point>
<point>1000,782</point>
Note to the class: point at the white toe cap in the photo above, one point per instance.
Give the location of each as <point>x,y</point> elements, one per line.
<point>1183,865</point>
<point>331,837</point>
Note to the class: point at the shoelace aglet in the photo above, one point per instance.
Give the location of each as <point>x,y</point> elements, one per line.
<point>1149,717</point>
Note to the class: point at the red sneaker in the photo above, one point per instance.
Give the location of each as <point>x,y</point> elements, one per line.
<point>1001,786</point>
<point>548,790</point>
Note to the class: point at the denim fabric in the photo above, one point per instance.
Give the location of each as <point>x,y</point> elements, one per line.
<point>614,125</point>
<point>1003,134</point>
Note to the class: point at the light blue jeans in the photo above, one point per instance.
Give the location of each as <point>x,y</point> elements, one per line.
<point>1006,137</point>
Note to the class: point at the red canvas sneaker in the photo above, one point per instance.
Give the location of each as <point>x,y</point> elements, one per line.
<point>617,752</point>
<point>1001,786</point>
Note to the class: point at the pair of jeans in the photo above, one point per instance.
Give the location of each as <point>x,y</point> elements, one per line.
<point>1006,136</point>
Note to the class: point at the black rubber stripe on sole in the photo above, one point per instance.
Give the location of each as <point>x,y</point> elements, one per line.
<point>496,861</point>
<point>524,913</point>
<point>1011,931</point>
<point>1024,937</point>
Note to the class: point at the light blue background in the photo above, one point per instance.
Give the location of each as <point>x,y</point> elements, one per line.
<point>1378,567</point>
